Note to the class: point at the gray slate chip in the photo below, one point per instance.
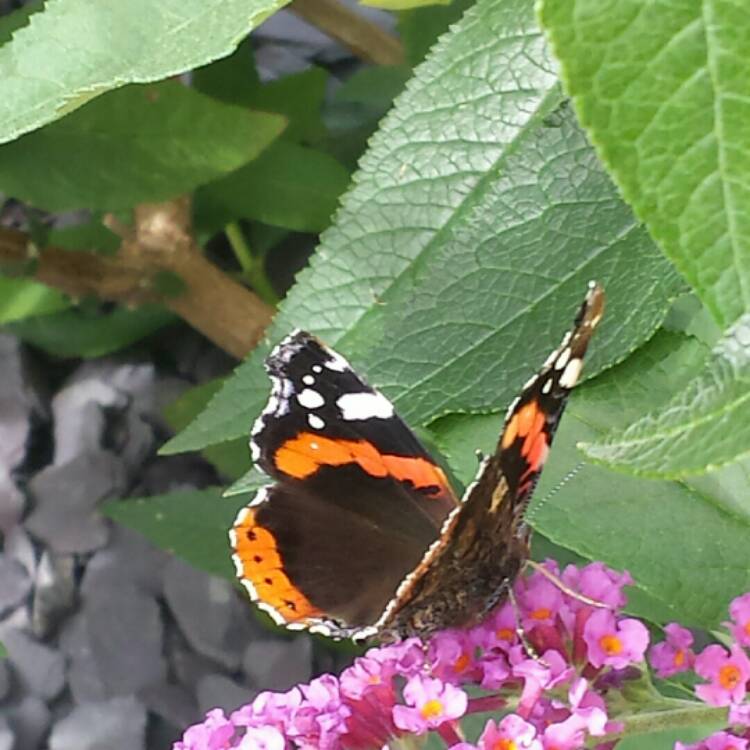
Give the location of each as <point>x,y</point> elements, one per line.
<point>54,592</point>
<point>16,584</point>
<point>4,678</point>
<point>12,502</point>
<point>128,560</point>
<point>219,691</point>
<point>84,680</point>
<point>19,547</point>
<point>116,724</point>
<point>173,703</point>
<point>209,612</point>
<point>30,720</point>
<point>66,497</point>
<point>278,664</point>
<point>125,631</point>
<point>40,669</point>
<point>104,399</point>
<point>7,736</point>
<point>19,398</point>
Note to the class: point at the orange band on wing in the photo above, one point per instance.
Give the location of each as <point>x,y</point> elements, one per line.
<point>305,454</point>
<point>527,421</point>
<point>261,565</point>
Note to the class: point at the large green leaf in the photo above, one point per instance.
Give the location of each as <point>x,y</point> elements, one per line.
<point>192,524</point>
<point>664,89</point>
<point>288,186</point>
<point>477,218</point>
<point>74,50</point>
<point>704,426</point>
<point>141,143</point>
<point>684,548</point>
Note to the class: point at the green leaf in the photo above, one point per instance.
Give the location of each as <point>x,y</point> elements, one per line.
<point>24,298</point>
<point>231,80</point>
<point>93,237</point>
<point>299,97</point>
<point>420,28</point>
<point>681,547</point>
<point>465,246</point>
<point>369,93</point>
<point>73,333</point>
<point>290,186</point>
<point>231,458</point>
<point>191,524</point>
<point>664,91</point>
<point>141,143</point>
<point>704,426</point>
<point>75,50</point>
<point>3,651</point>
<point>17,19</point>
<point>727,487</point>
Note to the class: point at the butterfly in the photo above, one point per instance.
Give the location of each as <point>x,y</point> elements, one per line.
<point>362,534</point>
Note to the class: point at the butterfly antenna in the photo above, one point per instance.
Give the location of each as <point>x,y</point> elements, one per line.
<point>560,584</point>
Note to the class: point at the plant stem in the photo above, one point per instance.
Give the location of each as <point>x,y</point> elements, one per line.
<point>684,714</point>
<point>224,311</point>
<point>365,38</point>
<point>252,266</point>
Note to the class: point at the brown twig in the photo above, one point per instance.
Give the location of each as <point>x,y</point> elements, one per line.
<point>366,39</point>
<point>211,302</point>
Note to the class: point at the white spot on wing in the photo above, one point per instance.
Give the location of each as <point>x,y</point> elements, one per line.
<point>572,370</point>
<point>308,379</point>
<point>310,399</point>
<point>547,387</point>
<point>254,451</point>
<point>336,362</point>
<point>562,360</point>
<point>317,368</point>
<point>260,497</point>
<point>315,421</point>
<point>358,406</point>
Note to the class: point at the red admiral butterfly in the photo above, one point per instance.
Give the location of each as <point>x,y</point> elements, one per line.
<point>362,534</point>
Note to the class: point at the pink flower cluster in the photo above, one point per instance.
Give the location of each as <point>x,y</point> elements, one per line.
<point>727,672</point>
<point>550,703</point>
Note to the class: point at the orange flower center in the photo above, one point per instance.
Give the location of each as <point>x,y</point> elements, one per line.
<point>729,677</point>
<point>462,662</point>
<point>679,657</point>
<point>431,709</point>
<point>747,627</point>
<point>373,679</point>
<point>611,645</point>
<point>504,744</point>
<point>505,634</point>
<point>541,614</point>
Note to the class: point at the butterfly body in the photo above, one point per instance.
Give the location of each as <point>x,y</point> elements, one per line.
<point>362,533</point>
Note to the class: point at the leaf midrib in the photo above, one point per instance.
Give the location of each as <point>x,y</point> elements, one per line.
<point>551,99</point>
